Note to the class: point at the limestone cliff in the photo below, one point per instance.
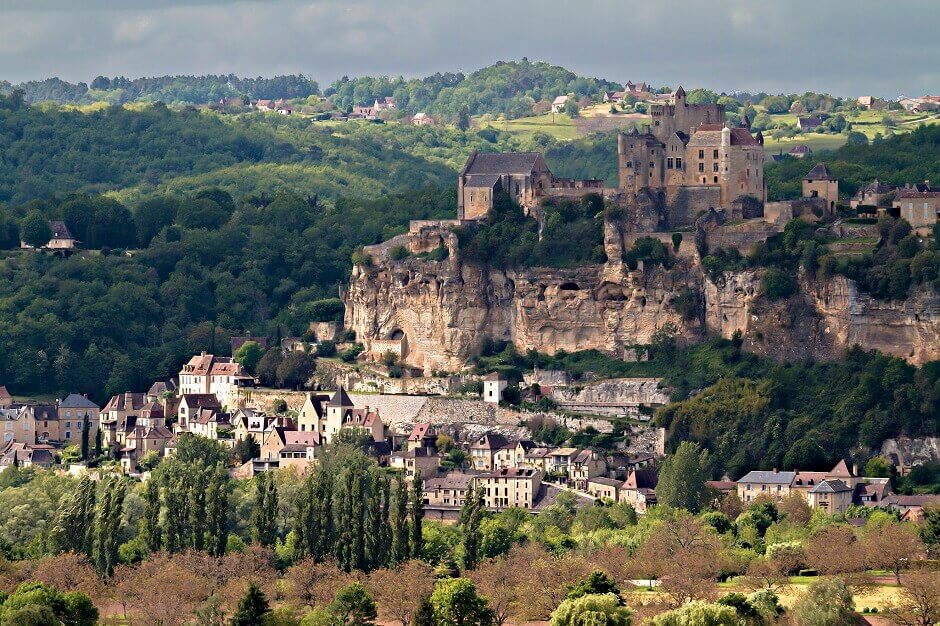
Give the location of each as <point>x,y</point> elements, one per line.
<point>437,313</point>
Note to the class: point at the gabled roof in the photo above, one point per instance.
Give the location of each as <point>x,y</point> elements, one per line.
<point>200,399</point>
<point>340,398</point>
<point>830,486</point>
<point>77,401</point>
<point>60,230</point>
<point>819,172</point>
<point>4,394</point>
<point>510,472</point>
<point>482,181</point>
<point>127,401</point>
<point>603,480</point>
<point>809,121</point>
<point>453,480</point>
<point>492,441</point>
<point>420,431</point>
<point>560,100</point>
<point>161,387</point>
<point>644,478</point>
<point>841,469</point>
<point>494,376</point>
<point>501,163</point>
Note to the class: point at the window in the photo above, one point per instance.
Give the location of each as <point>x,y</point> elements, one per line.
<point>68,434</point>
<point>669,163</point>
<point>701,154</point>
<point>652,165</point>
<point>678,163</point>
<point>701,168</point>
<point>714,154</point>
<point>714,167</point>
<point>716,179</point>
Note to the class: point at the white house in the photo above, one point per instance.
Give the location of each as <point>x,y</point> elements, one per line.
<point>493,387</point>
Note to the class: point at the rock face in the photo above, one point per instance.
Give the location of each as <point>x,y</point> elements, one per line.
<point>444,310</point>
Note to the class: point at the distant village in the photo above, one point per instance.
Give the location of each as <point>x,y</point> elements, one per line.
<point>214,397</point>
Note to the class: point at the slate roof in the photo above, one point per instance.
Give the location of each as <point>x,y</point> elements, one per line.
<point>340,398</point>
<point>603,480</point>
<point>830,486</point>
<point>510,472</point>
<point>493,441</point>
<point>819,172</point>
<point>161,387</point>
<point>482,181</point>
<point>644,478</point>
<point>806,122</point>
<point>501,163</point>
<point>768,477</point>
<point>493,376</point>
<point>453,480</point>
<point>913,193</point>
<point>127,401</point>
<point>77,401</point>
<point>60,230</point>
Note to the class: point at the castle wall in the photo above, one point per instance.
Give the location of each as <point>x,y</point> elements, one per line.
<point>687,202</point>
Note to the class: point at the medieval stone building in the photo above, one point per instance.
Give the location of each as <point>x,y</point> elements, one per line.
<point>521,174</point>
<point>689,162</point>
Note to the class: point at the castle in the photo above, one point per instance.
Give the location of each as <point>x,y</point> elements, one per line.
<point>688,161</point>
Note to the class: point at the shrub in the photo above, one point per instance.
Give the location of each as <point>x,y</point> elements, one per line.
<point>776,284</point>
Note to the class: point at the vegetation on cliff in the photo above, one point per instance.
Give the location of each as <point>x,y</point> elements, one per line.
<point>573,235</point>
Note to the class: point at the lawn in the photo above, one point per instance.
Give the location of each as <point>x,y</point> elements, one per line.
<point>560,126</point>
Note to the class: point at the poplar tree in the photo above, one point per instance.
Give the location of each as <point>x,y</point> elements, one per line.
<point>400,523</point>
<point>108,524</point>
<point>86,431</point>
<point>73,526</point>
<point>173,524</point>
<point>98,443</point>
<point>471,515</point>
<point>417,516</point>
<point>151,521</point>
<point>217,512</point>
<point>264,516</point>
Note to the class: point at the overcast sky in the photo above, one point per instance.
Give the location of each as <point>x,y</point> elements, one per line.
<point>846,47</point>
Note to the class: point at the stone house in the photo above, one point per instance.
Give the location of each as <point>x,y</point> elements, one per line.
<point>832,496</point>
<point>342,413</point>
<point>190,406</point>
<point>585,465</point>
<point>19,425</point>
<point>920,208</point>
<point>762,482</point>
<point>423,435</point>
<point>141,440</point>
<point>604,488</point>
<point>505,488</point>
<point>412,461</point>
<point>523,175</point>
<point>558,104</point>
<point>46,418</point>
<point>422,119</point>
<point>211,423</point>
<point>871,194</point>
<point>6,399</point>
<point>560,460</point>
<point>209,374</point>
<point>312,412</point>
<point>484,452</point>
<point>493,386</point>
<point>72,411</point>
<point>538,458</point>
<point>280,436</point>
<point>808,124</point>
<point>820,183</point>
<point>447,491</point>
<point>247,422</point>
<point>639,489</point>
<point>61,238</point>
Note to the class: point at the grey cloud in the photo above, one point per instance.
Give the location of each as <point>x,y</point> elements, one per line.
<point>870,47</point>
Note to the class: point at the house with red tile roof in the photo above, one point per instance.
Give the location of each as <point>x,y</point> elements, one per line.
<point>221,376</point>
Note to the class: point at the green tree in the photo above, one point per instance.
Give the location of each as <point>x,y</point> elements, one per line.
<point>400,532</point>
<point>34,230</point>
<point>252,608</point>
<point>32,603</point>
<point>152,216</point>
<point>150,522</point>
<point>247,449</point>
<point>108,524</point>
<point>456,603</point>
<point>682,478</point>
<point>217,512</point>
<point>249,354</point>
<point>74,524</point>
<point>86,432</point>
<point>471,516</point>
<point>597,583</point>
<point>295,369</point>
<point>424,614</point>
<point>354,606</point>
<point>698,613</point>
<point>264,515</point>
<point>827,602</point>
<point>417,517</point>
<point>463,118</point>
<point>603,609</point>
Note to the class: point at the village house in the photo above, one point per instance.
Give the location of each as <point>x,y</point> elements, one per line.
<point>190,405</point>
<point>484,452</point>
<point>300,454</point>
<point>342,413</point>
<point>538,458</point>
<point>493,386</point>
<point>560,460</point>
<point>505,488</point>
<point>920,207</point>
<point>384,104</point>
<point>604,488</point>
<point>774,483</point>
<point>313,411</point>
<point>46,418</point>
<point>871,103</point>
<point>249,422</point>
<point>558,104</point>
<point>141,440</point>
<point>422,119</point>
<point>161,390</point>
<point>447,491</point>
<point>800,151</point>
<point>19,425</point>
<point>808,124</point>
<point>831,496</point>
<point>6,399</point>
<point>585,465</point>
<point>639,489</point>
<point>280,436</point>
<point>61,239</point>
<point>871,194</point>
<point>912,508</point>
<point>238,342</point>
<point>212,423</point>
<point>209,374</point>
<point>412,461</point>
<point>72,412</point>
<point>423,435</point>
<point>27,455</point>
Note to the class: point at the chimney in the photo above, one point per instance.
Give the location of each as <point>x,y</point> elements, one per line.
<point>776,471</point>
<point>855,469</point>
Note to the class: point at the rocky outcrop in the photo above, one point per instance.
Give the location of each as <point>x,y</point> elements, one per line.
<point>446,309</point>
<point>907,452</point>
